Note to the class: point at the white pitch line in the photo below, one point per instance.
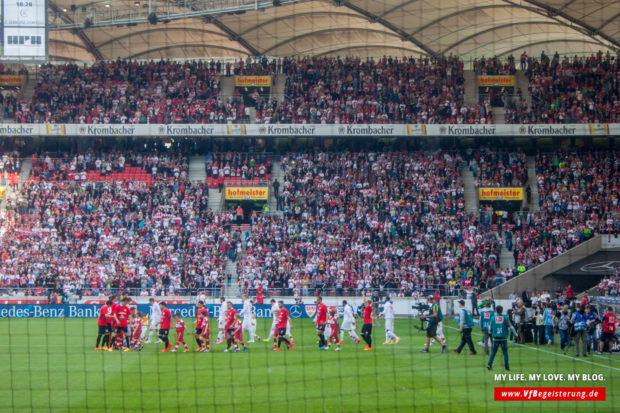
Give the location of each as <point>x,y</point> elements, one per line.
<point>551,352</point>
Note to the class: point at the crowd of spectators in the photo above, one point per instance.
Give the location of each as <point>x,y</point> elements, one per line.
<point>87,237</point>
<point>609,286</point>
<point>494,66</point>
<point>387,90</point>
<point>237,166</point>
<point>116,165</point>
<point>130,92</point>
<point>352,222</point>
<point>570,90</point>
<point>499,168</point>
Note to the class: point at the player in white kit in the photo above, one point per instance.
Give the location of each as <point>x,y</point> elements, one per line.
<point>246,313</point>
<point>155,319</point>
<point>274,314</point>
<point>348,322</point>
<point>221,321</point>
<point>388,314</point>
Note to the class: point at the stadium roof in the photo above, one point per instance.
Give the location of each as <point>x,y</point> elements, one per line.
<point>467,28</point>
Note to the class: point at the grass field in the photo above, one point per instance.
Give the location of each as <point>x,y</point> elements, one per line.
<point>50,365</point>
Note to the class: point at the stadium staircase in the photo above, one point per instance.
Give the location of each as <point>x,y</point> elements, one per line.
<point>276,173</point>
<point>227,89</point>
<point>471,87</point>
<point>506,257</point>
<point>24,174</point>
<point>533,183</point>
<point>215,199</point>
<point>28,90</point>
<point>197,172</point>
<point>471,195</point>
<point>252,114</point>
<point>499,116</point>
<point>521,82</point>
<point>278,87</point>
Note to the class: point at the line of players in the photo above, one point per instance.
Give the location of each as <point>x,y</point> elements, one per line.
<point>124,328</point>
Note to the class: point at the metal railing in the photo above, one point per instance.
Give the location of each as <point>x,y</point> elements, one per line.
<point>56,295</point>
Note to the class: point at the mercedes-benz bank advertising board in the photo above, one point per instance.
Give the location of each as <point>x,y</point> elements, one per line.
<point>24,30</point>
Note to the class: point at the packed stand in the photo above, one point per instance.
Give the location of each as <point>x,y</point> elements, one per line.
<point>352,90</point>
<point>494,66</point>
<point>609,286</point>
<point>10,167</point>
<point>359,221</point>
<point>112,166</point>
<point>578,197</point>
<point>130,92</point>
<point>155,238</point>
<point>244,167</point>
<point>570,90</point>
<point>499,168</point>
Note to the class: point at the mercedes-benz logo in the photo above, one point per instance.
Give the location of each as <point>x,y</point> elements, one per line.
<point>604,266</point>
<point>295,311</point>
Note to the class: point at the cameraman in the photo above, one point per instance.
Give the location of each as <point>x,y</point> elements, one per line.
<point>433,319</point>
<point>592,320</point>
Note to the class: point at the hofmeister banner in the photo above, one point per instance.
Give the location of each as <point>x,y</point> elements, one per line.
<point>496,80</point>
<point>253,81</point>
<point>500,194</point>
<point>240,193</point>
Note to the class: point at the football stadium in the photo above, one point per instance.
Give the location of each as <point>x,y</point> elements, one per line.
<point>310,206</point>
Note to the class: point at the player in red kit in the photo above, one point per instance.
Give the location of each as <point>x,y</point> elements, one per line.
<point>180,327</point>
<point>281,323</point>
<point>166,317</point>
<point>122,327</point>
<point>201,313</point>
<point>367,327</point>
<point>237,334</point>
<point>228,326</point>
<point>104,324</point>
<point>333,325</point>
<point>136,330</point>
<point>204,334</point>
<point>608,332</point>
<point>321,320</point>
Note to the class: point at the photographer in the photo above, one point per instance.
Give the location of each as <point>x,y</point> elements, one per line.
<point>518,314</point>
<point>592,320</point>
<point>433,319</point>
<point>578,321</point>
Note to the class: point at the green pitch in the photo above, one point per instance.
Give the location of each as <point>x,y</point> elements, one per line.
<point>50,365</point>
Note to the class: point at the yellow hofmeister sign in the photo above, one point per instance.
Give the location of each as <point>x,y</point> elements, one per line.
<point>496,80</point>
<point>500,194</point>
<point>11,80</point>
<point>264,81</point>
<point>239,193</point>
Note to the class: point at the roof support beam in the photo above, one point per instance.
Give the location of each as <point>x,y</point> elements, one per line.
<point>160,29</point>
<point>404,35</point>
<point>295,16</point>
<point>592,31</point>
<point>398,7</point>
<point>606,22</point>
<point>90,46</point>
<point>382,46</point>
<point>340,30</point>
<point>233,36</point>
<point>495,28</point>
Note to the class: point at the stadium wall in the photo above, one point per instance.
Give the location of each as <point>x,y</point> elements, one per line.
<point>88,307</point>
